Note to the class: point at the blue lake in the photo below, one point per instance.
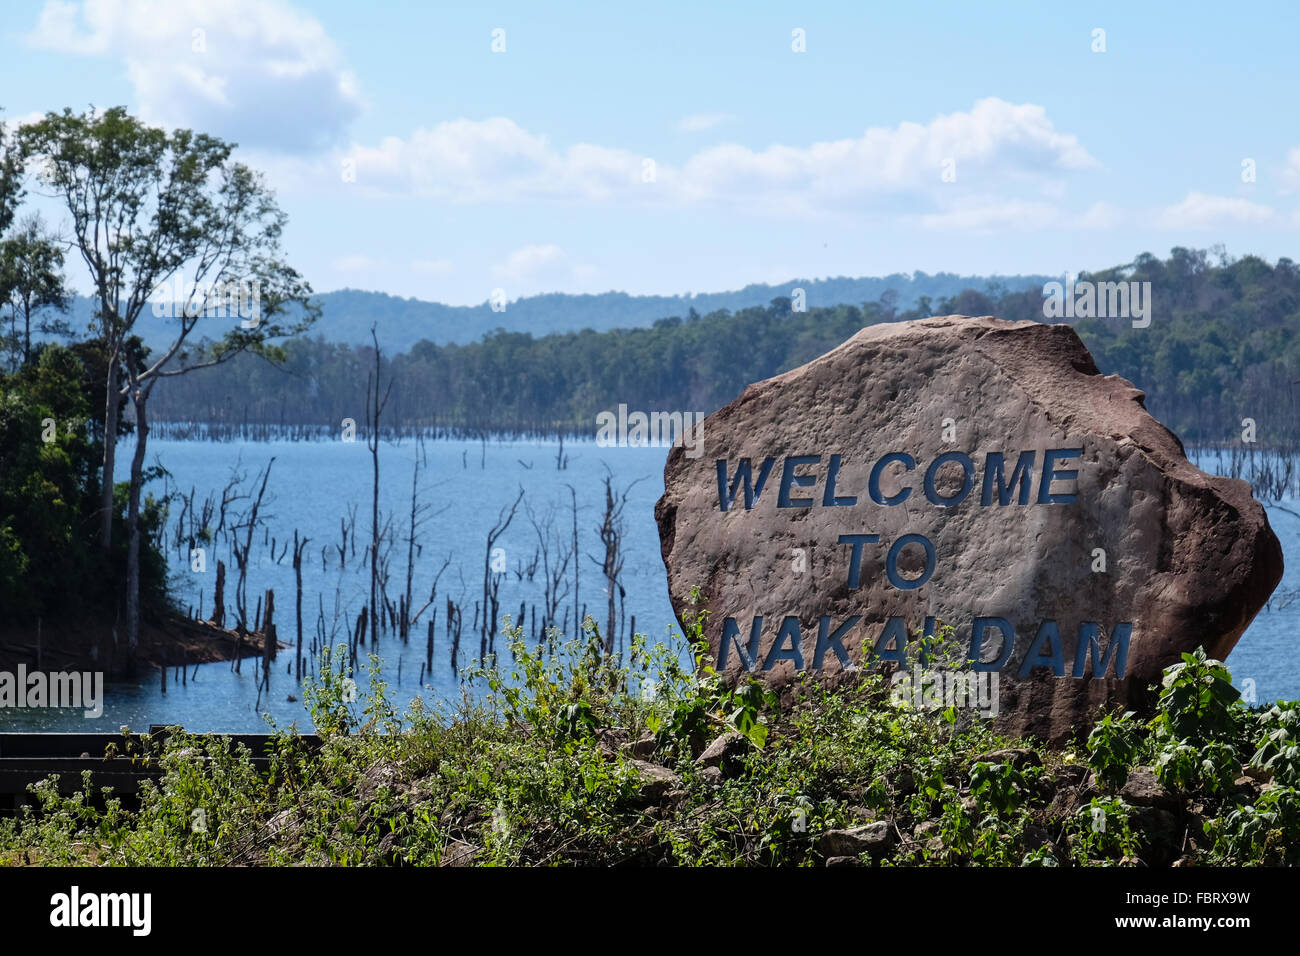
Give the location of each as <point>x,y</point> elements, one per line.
<point>313,485</point>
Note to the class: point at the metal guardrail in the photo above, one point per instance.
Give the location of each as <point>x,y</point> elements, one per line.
<point>27,758</point>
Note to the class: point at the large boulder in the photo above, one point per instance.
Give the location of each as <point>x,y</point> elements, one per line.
<point>1047,510</point>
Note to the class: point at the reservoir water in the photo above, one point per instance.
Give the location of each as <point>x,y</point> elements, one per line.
<point>314,485</point>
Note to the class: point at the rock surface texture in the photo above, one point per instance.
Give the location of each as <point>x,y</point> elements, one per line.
<point>1106,526</point>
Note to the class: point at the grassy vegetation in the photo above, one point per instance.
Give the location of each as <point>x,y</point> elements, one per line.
<point>568,758</point>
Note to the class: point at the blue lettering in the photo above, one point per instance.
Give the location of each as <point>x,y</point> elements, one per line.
<point>1048,633</point>
<point>891,562</point>
<point>827,639</point>
<point>967,481</point>
<point>1022,475</point>
<point>743,474</point>
<point>977,640</point>
<point>873,483</point>
<point>896,631</point>
<point>1090,642</point>
<point>855,560</point>
<point>828,499</point>
<point>790,630</point>
<point>1050,474</point>
<point>788,478</point>
<point>730,634</point>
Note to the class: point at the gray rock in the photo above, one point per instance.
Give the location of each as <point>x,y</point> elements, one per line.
<point>727,753</point>
<point>1255,772</point>
<point>642,748</point>
<point>1190,557</point>
<point>1070,775</point>
<point>656,781</point>
<point>924,829</point>
<point>874,838</point>
<point>675,798</point>
<point>459,854</point>
<point>1142,789</point>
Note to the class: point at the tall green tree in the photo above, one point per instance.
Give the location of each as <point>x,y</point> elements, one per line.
<point>11,177</point>
<point>31,280</point>
<point>167,221</point>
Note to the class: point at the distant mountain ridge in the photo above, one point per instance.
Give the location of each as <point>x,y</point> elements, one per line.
<point>347,314</point>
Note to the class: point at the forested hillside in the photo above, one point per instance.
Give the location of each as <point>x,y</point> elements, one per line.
<point>1223,344</point>
<point>348,314</point>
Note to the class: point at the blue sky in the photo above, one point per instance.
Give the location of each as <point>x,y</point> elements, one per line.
<point>526,170</point>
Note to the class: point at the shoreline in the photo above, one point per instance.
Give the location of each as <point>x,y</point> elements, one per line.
<point>84,644</point>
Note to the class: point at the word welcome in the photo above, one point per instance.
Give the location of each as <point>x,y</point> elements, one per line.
<point>1027,482</point>
<point>58,689</point>
<point>1046,649</point>
<point>653,430</point>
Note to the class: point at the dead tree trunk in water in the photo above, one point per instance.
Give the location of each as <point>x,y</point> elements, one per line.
<point>487,629</point>
<point>555,557</point>
<point>611,564</point>
<point>268,638</point>
<point>249,526</point>
<point>219,599</point>
<point>418,515</point>
<point>299,547</point>
<point>374,408</point>
<point>428,647</point>
<point>454,623</point>
<point>576,562</point>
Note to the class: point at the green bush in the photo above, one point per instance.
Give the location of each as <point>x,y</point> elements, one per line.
<point>539,770</point>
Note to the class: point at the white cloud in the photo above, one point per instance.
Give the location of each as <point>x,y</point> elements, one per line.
<point>13,122</point>
<point>987,214</point>
<point>699,122</point>
<point>256,71</point>
<point>1200,211</point>
<point>996,144</point>
<point>529,263</point>
<point>1101,215</point>
<point>468,161</point>
<point>543,268</point>
<point>995,141</point>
